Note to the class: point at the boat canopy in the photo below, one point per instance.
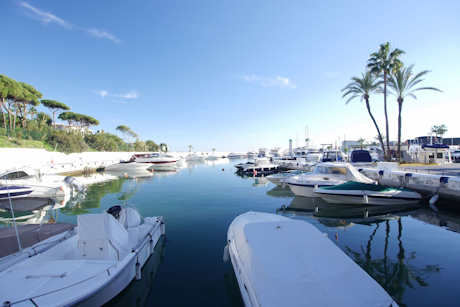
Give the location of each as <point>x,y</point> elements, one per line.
<point>338,168</point>
<point>291,263</point>
<point>360,156</point>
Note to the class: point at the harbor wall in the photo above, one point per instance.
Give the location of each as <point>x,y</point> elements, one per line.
<point>49,162</point>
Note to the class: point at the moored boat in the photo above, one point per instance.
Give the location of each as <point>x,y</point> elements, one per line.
<point>88,268</point>
<point>283,262</point>
<point>368,194</point>
<point>324,175</point>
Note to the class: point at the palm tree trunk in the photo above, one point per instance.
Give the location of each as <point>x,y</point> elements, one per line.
<point>376,126</point>
<point>399,131</point>
<point>386,114</point>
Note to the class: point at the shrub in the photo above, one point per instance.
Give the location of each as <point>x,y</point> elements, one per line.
<point>67,143</point>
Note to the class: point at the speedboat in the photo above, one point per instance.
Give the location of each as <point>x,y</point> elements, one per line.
<point>235,156</point>
<point>127,165</point>
<point>14,191</point>
<point>324,175</point>
<point>88,265</point>
<point>367,194</point>
<point>333,156</point>
<point>276,178</point>
<point>283,262</point>
<point>155,159</point>
<point>46,186</point>
<point>260,166</point>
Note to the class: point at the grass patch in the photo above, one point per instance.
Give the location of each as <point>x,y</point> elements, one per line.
<point>14,143</point>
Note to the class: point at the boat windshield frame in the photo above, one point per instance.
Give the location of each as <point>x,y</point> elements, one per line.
<point>329,170</point>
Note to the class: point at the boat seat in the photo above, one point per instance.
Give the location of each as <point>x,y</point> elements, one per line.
<point>101,237</point>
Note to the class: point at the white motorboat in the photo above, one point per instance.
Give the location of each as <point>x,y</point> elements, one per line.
<point>276,178</point>
<point>209,158</point>
<point>367,194</point>
<point>155,159</point>
<point>235,156</point>
<point>47,186</point>
<point>14,191</point>
<point>259,167</point>
<point>195,157</point>
<point>90,267</point>
<point>283,262</point>
<point>324,175</point>
<point>127,166</point>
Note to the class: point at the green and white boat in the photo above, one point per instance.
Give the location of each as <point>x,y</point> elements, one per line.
<point>368,194</point>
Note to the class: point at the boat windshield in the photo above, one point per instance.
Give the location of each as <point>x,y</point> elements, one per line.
<point>322,170</point>
<point>15,175</point>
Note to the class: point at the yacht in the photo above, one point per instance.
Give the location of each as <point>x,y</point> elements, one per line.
<point>324,175</point>
<point>155,159</point>
<point>195,157</point>
<point>261,166</point>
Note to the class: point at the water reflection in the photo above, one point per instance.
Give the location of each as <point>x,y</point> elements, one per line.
<point>140,293</point>
<point>280,192</point>
<point>393,272</point>
<point>231,284</point>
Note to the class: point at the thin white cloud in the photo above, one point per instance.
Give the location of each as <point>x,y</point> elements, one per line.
<point>45,17</point>
<point>119,101</point>
<point>132,95</point>
<point>269,82</point>
<point>102,93</point>
<point>102,34</point>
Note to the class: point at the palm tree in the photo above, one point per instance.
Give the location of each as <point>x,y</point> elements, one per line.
<point>361,141</point>
<point>386,62</point>
<point>402,84</point>
<point>363,88</point>
<point>213,150</point>
<point>190,148</point>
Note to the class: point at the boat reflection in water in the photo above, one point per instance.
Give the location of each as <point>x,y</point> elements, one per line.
<point>280,192</point>
<point>233,289</point>
<point>140,293</point>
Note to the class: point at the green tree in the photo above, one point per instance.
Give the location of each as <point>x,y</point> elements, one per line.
<point>213,150</point>
<point>44,118</point>
<point>362,88</point>
<point>151,145</point>
<point>70,117</point>
<point>190,147</point>
<point>87,121</point>
<point>403,84</point>
<point>10,91</point>
<point>127,133</point>
<point>55,107</point>
<point>361,142</point>
<point>28,98</point>
<point>383,63</point>
<point>439,130</point>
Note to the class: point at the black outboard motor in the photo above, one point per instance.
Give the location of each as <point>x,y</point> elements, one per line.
<point>115,211</point>
<point>71,182</point>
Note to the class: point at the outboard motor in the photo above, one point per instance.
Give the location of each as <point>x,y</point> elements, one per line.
<point>71,182</point>
<point>115,211</point>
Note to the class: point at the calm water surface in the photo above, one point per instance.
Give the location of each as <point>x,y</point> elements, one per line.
<point>408,252</point>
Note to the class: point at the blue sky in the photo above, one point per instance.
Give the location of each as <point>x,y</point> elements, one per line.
<point>232,75</point>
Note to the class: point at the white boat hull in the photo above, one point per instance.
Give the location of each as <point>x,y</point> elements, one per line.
<point>127,166</point>
<point>368,197</point>
<point>307,189</point>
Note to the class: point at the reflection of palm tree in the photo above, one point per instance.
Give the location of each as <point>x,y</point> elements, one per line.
<point>392,274</point>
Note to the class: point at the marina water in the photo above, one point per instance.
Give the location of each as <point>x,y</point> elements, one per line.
<point>412,252</point>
